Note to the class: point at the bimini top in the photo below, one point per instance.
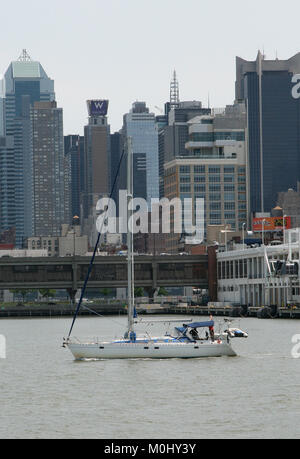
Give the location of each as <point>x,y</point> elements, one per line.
<point>200,324</point>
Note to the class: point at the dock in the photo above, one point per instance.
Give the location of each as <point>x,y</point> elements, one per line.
<point>119,308</point>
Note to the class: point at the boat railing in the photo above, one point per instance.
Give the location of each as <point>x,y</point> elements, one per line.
<point>84,340</point>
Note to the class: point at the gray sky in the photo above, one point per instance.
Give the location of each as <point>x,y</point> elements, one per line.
<point>126,50</point>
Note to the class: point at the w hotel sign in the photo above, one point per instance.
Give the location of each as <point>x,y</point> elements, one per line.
<point>97,107</point>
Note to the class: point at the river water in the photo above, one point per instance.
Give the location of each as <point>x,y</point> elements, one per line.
<point>46,394</point>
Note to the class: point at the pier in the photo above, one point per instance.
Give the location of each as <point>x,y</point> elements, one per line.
<point>120,308</point>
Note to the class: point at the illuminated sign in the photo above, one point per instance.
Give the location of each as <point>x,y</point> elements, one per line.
<point>271,224</point>
<point>97,107</point>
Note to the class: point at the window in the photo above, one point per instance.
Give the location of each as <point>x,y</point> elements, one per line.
<point>214,178</point>
<point>202,137</point>
<point>229,178</point>
<point>215,216</point>
<point>229,196</point>
<point>199,169</point>
<point>214,187</point>
<point>215,197</point>
<point>215,206</point>
<point>185,179</point>
<point>229,187</point>
<point>214,170</point>
<point>184,169</point>
<point>238,136</point>
<point>229,215</point>
<point>228,170</point>
<point>199,178</point>
<point>229,206</point>
<point>199,188</point>
<point>185,188</point>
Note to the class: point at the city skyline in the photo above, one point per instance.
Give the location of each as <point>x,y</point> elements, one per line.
<point>134,54</point>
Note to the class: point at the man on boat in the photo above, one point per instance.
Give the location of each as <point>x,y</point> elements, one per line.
<point>211,330</point>
<point>194,334</point>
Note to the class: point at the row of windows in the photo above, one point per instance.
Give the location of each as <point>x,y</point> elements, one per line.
<point>235,269</point>
<point>238,136</point>
<point>240,269</point>
<point>218,197</point>
<point>212,188</point>
<point>213,178</point>
<point>211,169</point>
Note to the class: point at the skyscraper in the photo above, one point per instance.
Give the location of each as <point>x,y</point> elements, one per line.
<point>51,201</point>
<point>273,126</point>
<point>141,126</point>
<point>117,176</point>
<point>7,202</point>
<point>25,82</point>
<point>74,155</point>
<point>96,163</point>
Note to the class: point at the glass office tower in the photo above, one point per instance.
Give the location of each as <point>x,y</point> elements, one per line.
<point>141,126</point>
<point>273,127</point>
<point>25,82</point>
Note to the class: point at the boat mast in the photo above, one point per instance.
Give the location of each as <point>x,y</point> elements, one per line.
<point>130,262</point>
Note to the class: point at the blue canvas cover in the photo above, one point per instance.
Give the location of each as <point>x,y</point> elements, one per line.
<point>201,324</point>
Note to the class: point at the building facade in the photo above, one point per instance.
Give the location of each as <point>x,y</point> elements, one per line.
<point>261,276</point>
<point>96,159</point>
<point>74,157</point>
<point>289,201</point>
<point>7,195</point>
<point>117,167</point>
<point>25,82</point>
<point>140,125</point>
<point>51,192</point>
<point>213,169</point>
<point>267,87</point>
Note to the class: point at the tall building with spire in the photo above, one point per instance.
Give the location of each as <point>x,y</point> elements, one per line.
<point>25,83</point>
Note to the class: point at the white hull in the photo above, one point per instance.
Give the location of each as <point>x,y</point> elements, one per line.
<point>150,350</point>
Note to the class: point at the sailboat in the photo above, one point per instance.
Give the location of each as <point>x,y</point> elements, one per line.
<point>183,342</point>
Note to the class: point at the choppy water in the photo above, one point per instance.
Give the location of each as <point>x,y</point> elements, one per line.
<point>45,394</point>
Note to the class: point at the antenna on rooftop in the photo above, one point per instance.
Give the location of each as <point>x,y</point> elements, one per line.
<point>24,56</point>
<point>174,91</point>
